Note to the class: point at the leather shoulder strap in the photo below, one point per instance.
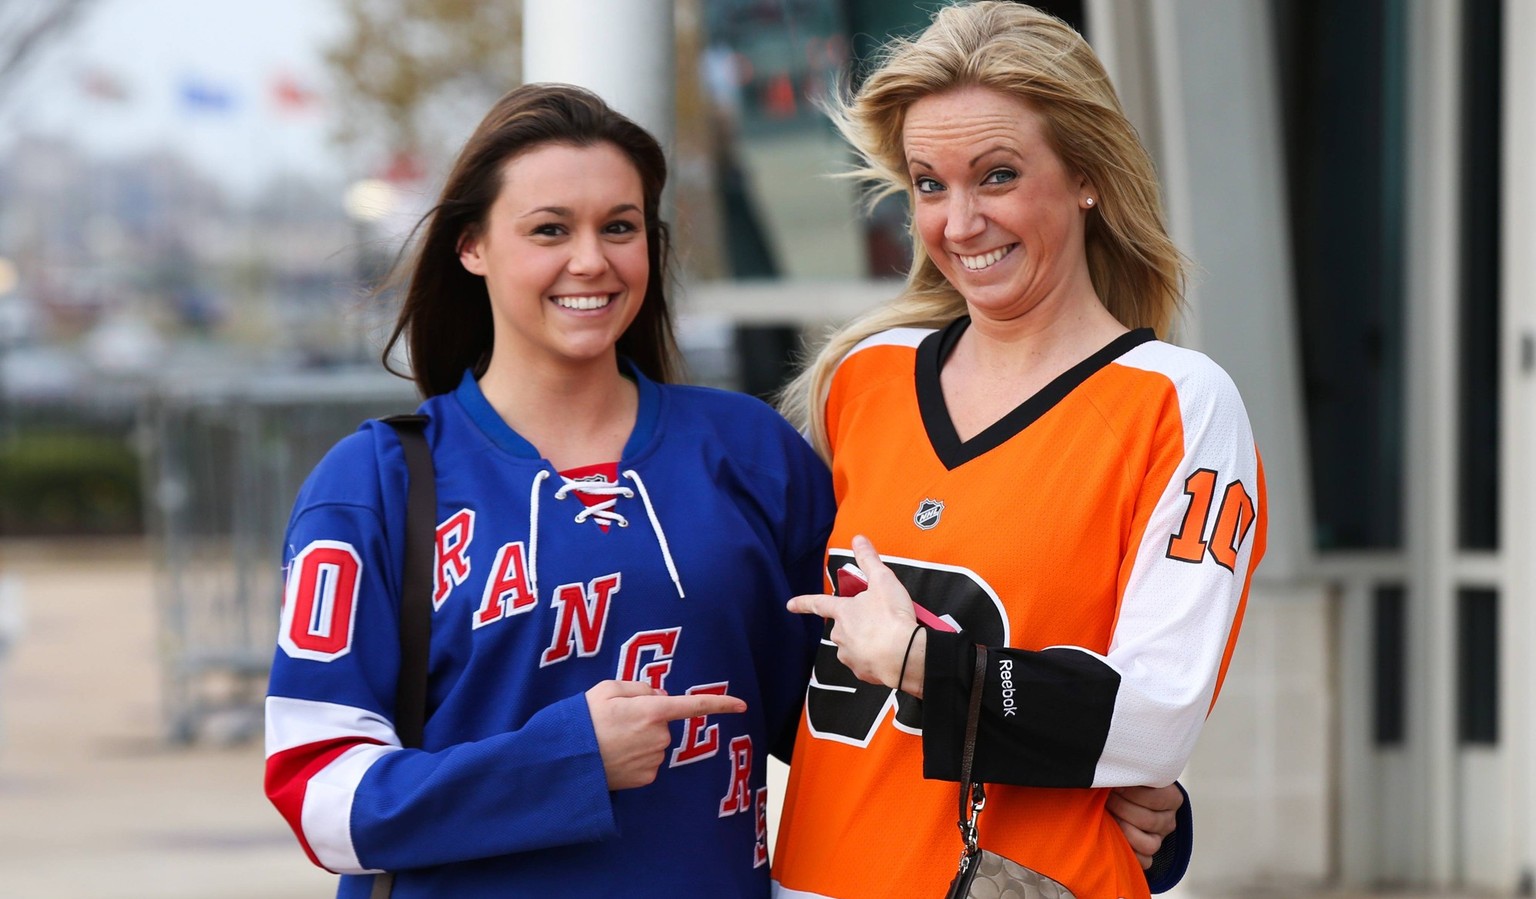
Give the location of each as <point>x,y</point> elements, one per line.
<point>416,578</point>
<point>415,593</point>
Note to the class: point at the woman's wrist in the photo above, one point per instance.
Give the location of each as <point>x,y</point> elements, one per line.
<point>909,677</point>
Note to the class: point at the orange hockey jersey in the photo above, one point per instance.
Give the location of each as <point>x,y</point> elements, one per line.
<point>1103,535</point>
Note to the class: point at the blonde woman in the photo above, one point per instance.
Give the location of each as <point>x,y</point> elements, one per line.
<point>1019,462</point>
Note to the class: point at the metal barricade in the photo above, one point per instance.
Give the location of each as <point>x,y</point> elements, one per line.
<point>222,465</point>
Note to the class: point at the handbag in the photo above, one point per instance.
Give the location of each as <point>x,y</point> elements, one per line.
<point>984,874</point>
<point>416,594</point>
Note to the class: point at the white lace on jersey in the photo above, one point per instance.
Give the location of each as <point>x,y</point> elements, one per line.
<point>597,485</point>
<point>602,512</point>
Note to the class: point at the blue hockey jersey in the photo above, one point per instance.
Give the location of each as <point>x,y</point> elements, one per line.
<point>674,570</point>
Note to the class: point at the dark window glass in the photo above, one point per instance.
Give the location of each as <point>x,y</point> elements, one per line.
<point>767,357</point>
<point>1342,81</point>
<point>1478,428</point>
<point>1388,655</point>
<point>1477,666</point>
<point>1072,12</point>
<point>768,61</point>
<point>763,66</point>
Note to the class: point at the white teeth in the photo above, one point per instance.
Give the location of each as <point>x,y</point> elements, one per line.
<point>977,263</point>
<point>592,302</point>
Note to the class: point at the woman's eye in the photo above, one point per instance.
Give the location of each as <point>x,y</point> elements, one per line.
<point>622,227</point>
<point>1000,176</point>
<point>927,185</point>
<point>548,230</point>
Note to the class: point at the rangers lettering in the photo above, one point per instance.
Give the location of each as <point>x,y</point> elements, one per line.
<point>582,618</point>
<point>738,797</point>
<point>661,644</point>
<point>699,742</point>
<point>1005,671</point>
<point>760,849</point>
<point>507,591</point>
<point>453,538</point>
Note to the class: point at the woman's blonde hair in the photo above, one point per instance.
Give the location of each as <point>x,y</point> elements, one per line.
<point>1029,54</point>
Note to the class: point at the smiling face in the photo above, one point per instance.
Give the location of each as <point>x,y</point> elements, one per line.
<point>563,254</point>
<point>997,210</point>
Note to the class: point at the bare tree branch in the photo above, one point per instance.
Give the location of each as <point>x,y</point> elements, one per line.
<point>28,25</point>
<point>406,66</point>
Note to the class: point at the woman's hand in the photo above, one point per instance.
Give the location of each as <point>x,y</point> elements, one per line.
<point>872,630</point>
<point>631,722</point>
<point>1146,816</point>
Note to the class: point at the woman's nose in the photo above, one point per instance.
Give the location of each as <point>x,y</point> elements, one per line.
<point>587,257</point>
<point>962,219</point>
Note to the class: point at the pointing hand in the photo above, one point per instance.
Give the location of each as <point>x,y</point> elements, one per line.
<point>630,720</point>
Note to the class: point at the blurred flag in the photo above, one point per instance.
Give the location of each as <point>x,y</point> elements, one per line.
<point>779,96</point>
<point>291,96</point>
<point>404,167</point>
<point>99,84</point>
<point>201,95</point>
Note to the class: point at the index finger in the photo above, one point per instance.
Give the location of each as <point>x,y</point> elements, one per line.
<point>676,708</point>
<point>820,604</point>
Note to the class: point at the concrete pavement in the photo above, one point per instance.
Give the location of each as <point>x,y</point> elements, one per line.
<point>93,803</point>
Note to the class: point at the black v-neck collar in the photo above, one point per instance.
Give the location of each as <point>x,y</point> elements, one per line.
<point>935,349</point>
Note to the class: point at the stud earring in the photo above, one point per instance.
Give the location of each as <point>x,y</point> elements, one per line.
<point>1089,201</point>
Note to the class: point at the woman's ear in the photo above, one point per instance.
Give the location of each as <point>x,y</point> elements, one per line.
<point>470,255</point>
<point>1087,194</point>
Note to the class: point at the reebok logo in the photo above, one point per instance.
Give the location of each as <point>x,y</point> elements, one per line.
<point>1005,673</point>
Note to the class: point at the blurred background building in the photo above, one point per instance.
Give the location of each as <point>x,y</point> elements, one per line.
<point>190,234</point>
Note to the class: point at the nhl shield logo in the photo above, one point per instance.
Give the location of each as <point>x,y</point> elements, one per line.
<point>928,512</point>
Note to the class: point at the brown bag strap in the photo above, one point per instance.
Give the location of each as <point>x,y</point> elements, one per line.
<point>972,797</point>
<point>415,593</point>
<point>383,885</point>
<point>415,579</point>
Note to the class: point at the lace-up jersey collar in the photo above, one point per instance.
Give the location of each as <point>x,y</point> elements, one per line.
<point>604,485</point>
<point>498,432</point>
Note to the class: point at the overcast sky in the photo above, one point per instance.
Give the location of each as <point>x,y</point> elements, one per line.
<point>195,75</point>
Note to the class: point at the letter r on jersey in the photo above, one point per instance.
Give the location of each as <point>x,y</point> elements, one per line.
<point>738,797</point>
<point>453,538</point>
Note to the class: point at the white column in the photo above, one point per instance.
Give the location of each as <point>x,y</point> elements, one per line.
<point>1223,169</point>
<point>620,49</point>
<point>1433,212</point>
<point>1518,412</point>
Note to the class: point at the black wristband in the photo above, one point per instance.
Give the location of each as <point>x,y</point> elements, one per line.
<point>902,677</point>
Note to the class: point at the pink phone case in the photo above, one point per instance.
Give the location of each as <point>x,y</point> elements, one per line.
<point>851,582</point>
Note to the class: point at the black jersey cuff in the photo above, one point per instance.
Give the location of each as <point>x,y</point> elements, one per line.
<point>947,671</point>
<point>1045,715</point>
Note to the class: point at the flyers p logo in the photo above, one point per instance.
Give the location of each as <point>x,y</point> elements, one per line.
<point>841,707</point>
